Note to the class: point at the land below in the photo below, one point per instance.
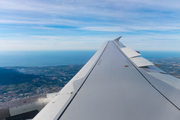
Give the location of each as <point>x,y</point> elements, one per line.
<point>20,82</point>
<point>169,65</point>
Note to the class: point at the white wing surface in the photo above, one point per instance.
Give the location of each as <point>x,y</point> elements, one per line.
<point>116,84</point>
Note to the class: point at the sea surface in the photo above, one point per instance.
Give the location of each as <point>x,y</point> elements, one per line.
<point>52,58</point>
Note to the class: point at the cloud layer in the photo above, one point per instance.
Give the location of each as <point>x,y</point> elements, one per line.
<point>85,24</point>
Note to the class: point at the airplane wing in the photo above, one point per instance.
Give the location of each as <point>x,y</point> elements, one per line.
<point>117,84</point>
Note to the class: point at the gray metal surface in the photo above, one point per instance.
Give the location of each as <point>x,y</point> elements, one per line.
<point>170,92</point>
<point>24,105</point>
<point>116,89</point>
<point>23,101</point>
<point>130,52</point>
<point>141,62</point>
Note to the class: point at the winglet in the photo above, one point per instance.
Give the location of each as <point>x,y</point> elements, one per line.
<point>117,39</point>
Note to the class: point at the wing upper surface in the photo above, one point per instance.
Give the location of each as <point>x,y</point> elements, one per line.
<point>114,87</point>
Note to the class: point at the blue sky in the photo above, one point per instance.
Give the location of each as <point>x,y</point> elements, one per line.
<point>32,25</point>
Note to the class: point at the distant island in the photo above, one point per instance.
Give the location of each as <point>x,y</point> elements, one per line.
<point>20,82</point>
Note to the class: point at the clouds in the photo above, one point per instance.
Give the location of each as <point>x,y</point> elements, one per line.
<point>48,24</point>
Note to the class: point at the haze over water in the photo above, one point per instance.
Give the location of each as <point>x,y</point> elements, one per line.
<point>50,58</point>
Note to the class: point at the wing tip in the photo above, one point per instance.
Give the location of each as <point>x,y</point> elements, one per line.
<point>117,39</point>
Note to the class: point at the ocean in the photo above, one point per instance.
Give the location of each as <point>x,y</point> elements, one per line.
<point>51,58</point>
<point>159,54</point>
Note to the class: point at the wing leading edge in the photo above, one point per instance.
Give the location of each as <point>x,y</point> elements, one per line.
<point>116,83</point>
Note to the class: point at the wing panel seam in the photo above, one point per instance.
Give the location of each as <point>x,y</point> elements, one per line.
<point>82,84</point>
<point>148,80</point>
